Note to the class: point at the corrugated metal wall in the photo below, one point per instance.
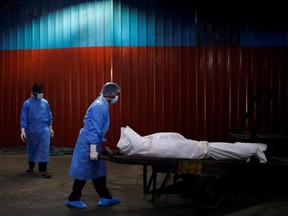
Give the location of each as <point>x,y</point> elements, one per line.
<point>176,72</point>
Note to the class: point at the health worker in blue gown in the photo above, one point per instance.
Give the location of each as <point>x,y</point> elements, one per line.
<point>85,163</point>
<point>36,130</point>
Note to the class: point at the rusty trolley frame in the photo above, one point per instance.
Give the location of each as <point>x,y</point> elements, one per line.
<point>206,180</point>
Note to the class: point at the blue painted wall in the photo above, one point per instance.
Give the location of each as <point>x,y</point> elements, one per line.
<point>46,24</point>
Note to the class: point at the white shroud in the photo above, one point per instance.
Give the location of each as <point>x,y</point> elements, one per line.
<point>174,145</point>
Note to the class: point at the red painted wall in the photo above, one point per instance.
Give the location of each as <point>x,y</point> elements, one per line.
<point>201,92</point>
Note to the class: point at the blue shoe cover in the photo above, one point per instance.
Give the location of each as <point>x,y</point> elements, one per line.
<point>76,204</point>
<point>108,202</point>
<point>115,200</point>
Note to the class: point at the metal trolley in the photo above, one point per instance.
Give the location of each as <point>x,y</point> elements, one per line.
<point>206,180</point>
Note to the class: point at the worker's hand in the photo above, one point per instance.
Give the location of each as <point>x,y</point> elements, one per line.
<point>93,152</point>
<point>23,134</point>
<point>51,132</point>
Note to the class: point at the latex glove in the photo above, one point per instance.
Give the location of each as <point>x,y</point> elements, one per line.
<point>93,152</point>
<point>51,132</point>
<point>23,134</point>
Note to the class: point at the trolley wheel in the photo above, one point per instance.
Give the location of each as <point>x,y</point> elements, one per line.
<point>208,192</point>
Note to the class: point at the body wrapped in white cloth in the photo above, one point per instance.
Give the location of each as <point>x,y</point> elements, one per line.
<point>174,145</point>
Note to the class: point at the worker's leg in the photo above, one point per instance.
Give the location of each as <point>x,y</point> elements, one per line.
<point>31,167</point>
<point>74,198</point>
<point>101,188</point>
<point>77,188</point>
<point>43,170</point>
<point>105,197</point>
<point>42,167</point>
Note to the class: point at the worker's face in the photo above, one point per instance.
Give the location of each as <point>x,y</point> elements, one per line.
<point>114,100</point>
<point>38,95</point>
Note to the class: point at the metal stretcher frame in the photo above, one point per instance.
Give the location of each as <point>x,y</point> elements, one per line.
<point>145,162</point>
<point>208,190</point>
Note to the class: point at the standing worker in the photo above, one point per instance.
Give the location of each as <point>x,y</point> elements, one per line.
<point>85,164</point>
<point>36,129</point>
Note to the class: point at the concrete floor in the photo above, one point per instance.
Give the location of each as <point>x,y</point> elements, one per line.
<point>24,194</point>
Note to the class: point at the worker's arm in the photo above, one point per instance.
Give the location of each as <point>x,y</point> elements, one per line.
<point>23,134</point>
<point>51,131</point>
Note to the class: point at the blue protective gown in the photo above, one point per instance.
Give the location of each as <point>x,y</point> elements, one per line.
<point>96,124</point>
<point>36,117</point>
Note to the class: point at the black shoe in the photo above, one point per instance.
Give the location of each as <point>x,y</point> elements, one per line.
<point>45,175</point>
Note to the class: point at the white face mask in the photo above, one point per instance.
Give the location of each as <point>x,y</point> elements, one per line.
<point>114,100</point>
<point>39,96</point>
